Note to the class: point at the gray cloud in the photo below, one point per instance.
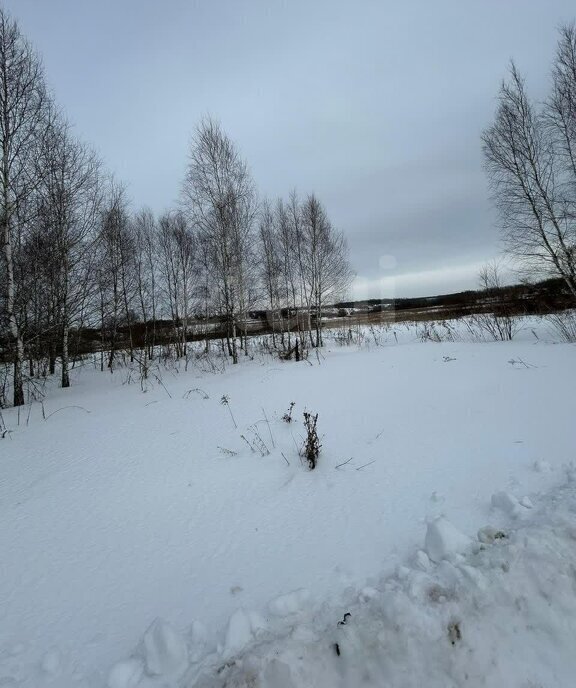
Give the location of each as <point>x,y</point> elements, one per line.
<point>376,106</point>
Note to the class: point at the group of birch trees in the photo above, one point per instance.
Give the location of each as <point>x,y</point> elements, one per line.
<point>76,256</point>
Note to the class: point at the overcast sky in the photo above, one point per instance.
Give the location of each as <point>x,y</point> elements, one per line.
<point>376,106</point>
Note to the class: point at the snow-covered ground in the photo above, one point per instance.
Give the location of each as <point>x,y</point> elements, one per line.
<point>144,543</point>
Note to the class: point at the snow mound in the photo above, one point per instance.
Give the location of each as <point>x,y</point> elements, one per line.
<point>422,560</point>
<point>126,674</point>
<point>197,641</point>
<point>165,650</point>
<point>509,504</point>
<point>291,603</point>
<point>503,614</point>
<point>443,540</point>
<point>51,662</point>
<point>243,627</point>
<point>277,674</point>
<point>489,534</point>
<point>541,466</point>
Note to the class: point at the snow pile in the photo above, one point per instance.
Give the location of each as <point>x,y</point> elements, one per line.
<point>163,653</point>
<point>502,614</point>
<point>165,650</point>
<point>51,662</point>
<point>510,504</point>
<point>496,611</point>
<point>443,540</point>
<point>243,627</point>
<point>291,603</point>
<point>126,674</point>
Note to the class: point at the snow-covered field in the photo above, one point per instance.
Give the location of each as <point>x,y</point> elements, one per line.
<point>144,543</point>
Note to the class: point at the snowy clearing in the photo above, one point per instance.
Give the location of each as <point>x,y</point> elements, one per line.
<point>126,511</point>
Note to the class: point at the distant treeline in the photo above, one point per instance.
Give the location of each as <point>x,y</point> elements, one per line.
<point>543,297</point>
<point>547,296</point>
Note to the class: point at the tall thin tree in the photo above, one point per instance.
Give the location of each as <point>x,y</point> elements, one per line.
<point>22,103</point>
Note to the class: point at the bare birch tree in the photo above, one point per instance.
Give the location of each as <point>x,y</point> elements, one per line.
<point>559,115</point>
<point>178,260</point>
<point>527,156</point>
<point>68,210</point>
<point>22,103</point>
<point>270,263</point>
<point>146,247</point>
<point>116,252</point>
<point>220,198</point>
<point>326,269</point>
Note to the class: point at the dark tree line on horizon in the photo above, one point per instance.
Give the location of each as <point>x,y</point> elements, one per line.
<point>74,254</point>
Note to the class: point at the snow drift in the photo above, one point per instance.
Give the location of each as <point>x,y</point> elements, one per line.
<point>503,614</point>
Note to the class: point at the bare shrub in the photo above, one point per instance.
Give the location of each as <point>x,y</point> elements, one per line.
<point>427,332</point>
<point>287,417</point>
<point>564,325</point>
<point>497,321</point>
<point>256,443</point>
<point>495,325</point>
<point>311,449</point>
